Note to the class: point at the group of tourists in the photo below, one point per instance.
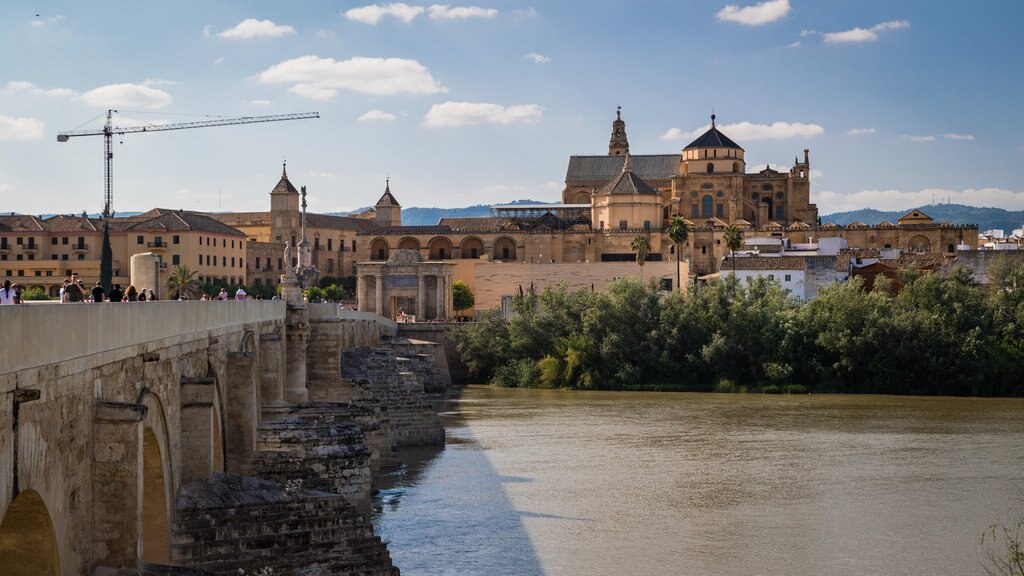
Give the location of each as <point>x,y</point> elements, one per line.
<point>75,290</point>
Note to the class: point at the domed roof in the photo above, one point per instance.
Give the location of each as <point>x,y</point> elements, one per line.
<point>713,139</point>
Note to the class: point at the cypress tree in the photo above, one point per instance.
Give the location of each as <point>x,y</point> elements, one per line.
<point>106,261</point>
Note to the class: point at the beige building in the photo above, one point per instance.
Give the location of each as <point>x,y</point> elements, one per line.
<point>38,252</point>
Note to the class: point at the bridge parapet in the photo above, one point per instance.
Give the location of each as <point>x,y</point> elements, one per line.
<point>45,334</point>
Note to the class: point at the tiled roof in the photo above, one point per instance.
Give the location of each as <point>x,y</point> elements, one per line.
<point>764,263</point>
<point>627,182</point>
<point>411,230</point>
<point>284,186</point>
<point>20,223</point>
<point>713,139</point>
<point>171,220</point>
<point>243,218</point>
<point>473,223</point>
<point>387,199</point>
<point>340,222</point>
<point>604,168</point>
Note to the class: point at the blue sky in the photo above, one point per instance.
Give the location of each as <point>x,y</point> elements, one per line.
<point>483,102</point>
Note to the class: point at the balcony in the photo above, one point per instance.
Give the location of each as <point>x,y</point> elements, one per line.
<point>79,248</point>
<point>5,248</point>
<point>156,244</point>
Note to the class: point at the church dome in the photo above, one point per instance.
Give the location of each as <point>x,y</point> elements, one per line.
<point>713,138</point>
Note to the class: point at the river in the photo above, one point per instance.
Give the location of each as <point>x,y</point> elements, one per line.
<point>606,483</point>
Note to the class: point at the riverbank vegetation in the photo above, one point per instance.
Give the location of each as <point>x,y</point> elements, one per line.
<point>942,336</point>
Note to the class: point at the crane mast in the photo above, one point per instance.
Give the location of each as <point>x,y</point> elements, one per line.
<point>109,130</point>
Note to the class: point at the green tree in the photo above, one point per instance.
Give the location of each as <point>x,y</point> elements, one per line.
<point>678,232</point>
<point>106,261</point>
<point>641,244</point>
<point>34,293</point>
<point>184,281</point>
<point>733,237</point>
<point>462,296</point>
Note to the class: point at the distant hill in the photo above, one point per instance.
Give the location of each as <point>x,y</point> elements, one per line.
<point>985,218</point>
<point>415,216</point>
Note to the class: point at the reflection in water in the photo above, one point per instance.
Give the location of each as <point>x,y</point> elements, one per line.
<point>622,483</point>
<point>445,511</point>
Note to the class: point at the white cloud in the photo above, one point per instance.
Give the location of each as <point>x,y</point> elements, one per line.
<point>921,138</point>
<point>958,136</point>
<point>472,113</point>
<point>859,131</point>
<point>748,131</point>
<point>23,86</point>
<point>253,28</point>
<point>864,34</point>
<point>258,102</point>
<point>538,58</point>
<point>206,31</point>
<point>829,202</point>
<point>804,33</point>
<point>757,15</point>
<point>446,12</point>
<point>48,21</point>
<point>815,174</point>
<point>159,82</point>
<point>793,45</point>
<point>377,115</point>
<point>126,96</point>
<point>530,12</point>
<point>218,61</point>
<point>322,175</point>
<point>374,13</point>
<point>321,78</point>
<point>20,128</point>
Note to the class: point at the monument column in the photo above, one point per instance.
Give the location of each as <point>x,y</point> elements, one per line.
<point>421,297</point>
<point>380,294</point>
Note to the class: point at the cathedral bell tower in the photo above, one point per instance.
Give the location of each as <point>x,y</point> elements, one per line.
<point>618,145</point>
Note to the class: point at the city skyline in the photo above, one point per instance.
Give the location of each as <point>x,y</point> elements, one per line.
<point>474,103</point>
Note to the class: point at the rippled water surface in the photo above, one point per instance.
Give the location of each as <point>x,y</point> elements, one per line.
<point>579,483</point>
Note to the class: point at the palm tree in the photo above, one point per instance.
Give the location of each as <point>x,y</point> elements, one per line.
<point>184,281</point>
<point>733,240</point>
<point>641,244</point>
<point>678,232</point>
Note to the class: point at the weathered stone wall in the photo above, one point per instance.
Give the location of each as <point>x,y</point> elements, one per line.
<point>226,523</point>
<point>445,354</point>
<point>380,373</point>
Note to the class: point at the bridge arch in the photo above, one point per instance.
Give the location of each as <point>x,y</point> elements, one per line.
<point>28,543</point>
<point>157,484</point>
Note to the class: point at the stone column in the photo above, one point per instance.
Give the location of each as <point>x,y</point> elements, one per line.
<point>440,296</point>
<point>379,299</point>
<point>296,344</point>
<point>240,412</point>
<point>197,430</point>
<point>271,370</point>
<point>421,297</point>
<point>117,483</point>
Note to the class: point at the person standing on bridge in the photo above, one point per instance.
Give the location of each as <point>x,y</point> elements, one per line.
<point>6,294</point>
<point>75,291</point>
<point>98,294</point>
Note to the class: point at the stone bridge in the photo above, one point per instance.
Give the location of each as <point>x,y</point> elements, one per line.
<point>207,436</point>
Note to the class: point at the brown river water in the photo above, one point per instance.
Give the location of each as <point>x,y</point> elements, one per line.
<point>609,483</point>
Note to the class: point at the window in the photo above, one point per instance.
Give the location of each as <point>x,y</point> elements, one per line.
<point>232,243</point>
<point>19,241</point>
<point>31,256</point>
<point>316,243</point>
<point>175,259</point>
<point>3,244</point>
<point>64,241</point>
<point>472,253</point>
<point>223,243</point>
<point>268,263</point>
<point>257,263</point>
<point>232,261</point>
<point>4,256</point>
<point>720,210</point>
<point>440,253</point>
<point>329,245</point>
<point>279,264</point>
<point>140,239</point>
<point>705,206</point>
<point>207,259</point>
<point>158,240</point>
<point>19,257</point>
<point>49,272</point>
<point>330,263</point>
<point>53,256</point>
<point>81,256</point>
<point>780,212</point>
<point>21,272</point>
<point>703,249</point>
<point>224,261</point>
<point>63,256</point>
<point>788,277</point>
<point>293,241</point>
<point>200,259</point>
<point>53,241</point>
<point>176,239</point>
<point>353,245</point>
<point>647,224</point>
<point>39,272</point>
<point>771,276</point>
<point>711,168</point>
<point>693,211</point>
<point>623,224</point>
<point>380,253</point>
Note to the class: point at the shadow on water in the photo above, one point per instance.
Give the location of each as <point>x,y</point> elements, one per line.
<point>444,510</point>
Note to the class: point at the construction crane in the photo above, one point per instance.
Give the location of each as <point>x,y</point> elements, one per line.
<point>109,130</point>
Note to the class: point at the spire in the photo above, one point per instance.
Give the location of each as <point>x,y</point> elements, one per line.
<point>712,119</point>
<point>284,169</point>
<point>626,166</point>
<point>618,144</point>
